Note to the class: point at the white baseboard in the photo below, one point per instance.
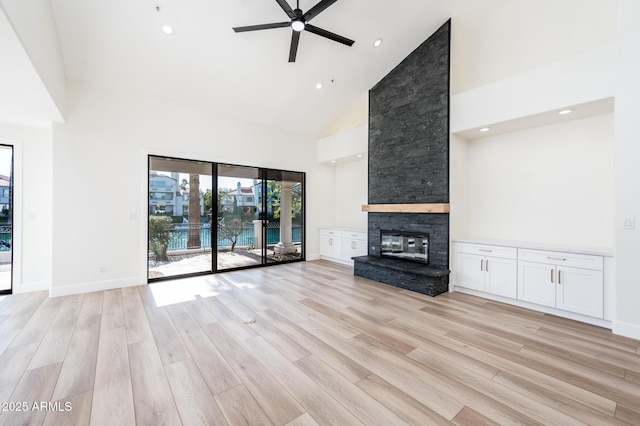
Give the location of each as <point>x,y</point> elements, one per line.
<point>626,329</point>
<point>95,286</point>
<point>534,307</point>
<point>312,257</point>
<point>33,286</point>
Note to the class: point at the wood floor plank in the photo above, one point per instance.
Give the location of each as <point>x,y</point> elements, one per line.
<point>112,396</point>
<point>303,420</point>
<point>350,369</point>
<point>404,406</point>
<point>79,366</point>
<point>240,408</point>
<point>53,348</point>
<point>152,397</point>
<point>358,402</point>
<point>194,401</point>
<point>317,402</point>
<point>469,417</point>
<point>20,311</point>
<point>135,318</point>
<point>215,370</point>
<point>35,327</point>
<point>279,405</point>
<point>14,362</point>
<point>75,410</point>
<point>112,310</point>
<point>405,381</point>
<point>463,393</point>
<point>35,388</point>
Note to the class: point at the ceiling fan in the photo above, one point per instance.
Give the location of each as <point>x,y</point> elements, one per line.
<point>299,22</point>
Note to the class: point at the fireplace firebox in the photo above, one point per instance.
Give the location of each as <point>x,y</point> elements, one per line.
<point>405,245</point>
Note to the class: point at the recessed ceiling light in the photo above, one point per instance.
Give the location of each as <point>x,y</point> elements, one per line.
<point>359,155</point>
<point>485,129</point>
<point>167,29</point>
<point>377,42</point>
<point>333,161</point>
<point>565,111</point>
<point>318,85</point>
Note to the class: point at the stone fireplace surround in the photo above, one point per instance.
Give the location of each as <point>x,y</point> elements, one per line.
<point>409,165</point>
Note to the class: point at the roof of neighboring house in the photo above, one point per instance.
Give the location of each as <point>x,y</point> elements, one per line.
<point>244,191</point>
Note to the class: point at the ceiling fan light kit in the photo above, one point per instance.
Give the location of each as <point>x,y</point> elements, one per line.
<point>299,22</point>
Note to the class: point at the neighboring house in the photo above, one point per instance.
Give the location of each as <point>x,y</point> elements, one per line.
<point>5,193</point>
<point>167,196</point>
<point>243,197</point>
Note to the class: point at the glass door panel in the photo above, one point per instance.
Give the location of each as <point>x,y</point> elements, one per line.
<point>180,197</point>
<point>284,208</point>
<point>239,227</point>
<point>6,218</point>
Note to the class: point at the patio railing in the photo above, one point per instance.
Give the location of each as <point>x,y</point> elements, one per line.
<point>180,235</point>
<point>5,237</point>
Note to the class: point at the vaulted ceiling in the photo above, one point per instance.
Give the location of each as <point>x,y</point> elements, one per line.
<point>119,45</point>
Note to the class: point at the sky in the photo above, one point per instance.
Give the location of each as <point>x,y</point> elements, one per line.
<point>5,160</point>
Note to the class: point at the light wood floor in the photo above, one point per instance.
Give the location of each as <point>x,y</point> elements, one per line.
<point>304,344</point>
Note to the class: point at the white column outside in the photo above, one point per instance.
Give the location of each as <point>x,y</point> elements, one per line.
<point>286,242</point>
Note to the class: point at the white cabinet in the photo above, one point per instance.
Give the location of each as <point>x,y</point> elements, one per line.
<point>492,269</point>
<point>567,281</point>
<point>331,243</point>
<point>353,244</point>
<point>340,245</point>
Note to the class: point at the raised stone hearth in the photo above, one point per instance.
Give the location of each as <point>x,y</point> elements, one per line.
<point>403,274</point>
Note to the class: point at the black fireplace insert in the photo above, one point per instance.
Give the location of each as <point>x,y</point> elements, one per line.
<point>405,245</point>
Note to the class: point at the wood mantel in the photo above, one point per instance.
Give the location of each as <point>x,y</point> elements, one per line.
<point>406,208</point>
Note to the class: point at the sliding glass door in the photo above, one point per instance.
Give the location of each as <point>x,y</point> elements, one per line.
<point>239,240</point>
<point>209,217</point>
<point>284,214</point>
<point>6,218</point>
<point>180,212</point>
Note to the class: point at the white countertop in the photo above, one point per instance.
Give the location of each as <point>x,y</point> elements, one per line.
<point>598,251</point>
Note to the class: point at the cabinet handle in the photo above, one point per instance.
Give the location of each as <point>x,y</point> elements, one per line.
<point>486,265</point>
<point>557,258</point>
<point>552,275</point>
<point>481,261</point>
<point>485,250</point>
<point>559,277</point>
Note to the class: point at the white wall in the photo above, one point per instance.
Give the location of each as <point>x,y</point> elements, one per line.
<point>34,24</point>
<point>100,178</point>
<point>551,184</point>
<point>523,35</point>
<point>627,152</point>
<point>351,193</point>
<point>32,205</point>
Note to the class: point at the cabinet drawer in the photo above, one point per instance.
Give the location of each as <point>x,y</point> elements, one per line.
<point>325,232</point>
<point>572,260</point>
<point>354,235</point>
<point>487,250</point>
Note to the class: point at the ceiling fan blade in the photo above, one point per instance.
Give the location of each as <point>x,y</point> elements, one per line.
<point>287,9</point>
<point>328,34</point>
<point>261,27</point>
<point>295,38</point>
<point>315,10</point>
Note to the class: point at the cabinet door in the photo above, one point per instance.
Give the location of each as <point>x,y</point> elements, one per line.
<point>536,283</point>
<point>357,248</point>
<point>469,271</point>
<point>330,246</point>
<point>501,276</point>
<point>580,290</point>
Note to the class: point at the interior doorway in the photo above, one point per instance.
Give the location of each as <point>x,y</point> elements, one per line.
<point>6,219</point>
